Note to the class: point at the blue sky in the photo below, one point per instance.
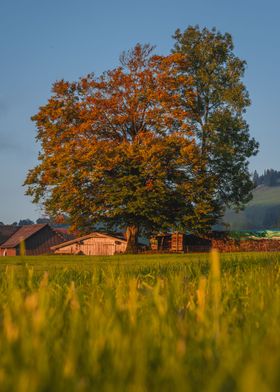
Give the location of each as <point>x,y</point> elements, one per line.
<point>43,41</point>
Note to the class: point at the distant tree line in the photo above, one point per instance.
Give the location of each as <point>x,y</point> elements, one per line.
<point>270,177</point>
<point>27,221</point>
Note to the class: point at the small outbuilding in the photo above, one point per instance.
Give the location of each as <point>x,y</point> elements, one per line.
<point>38,239</point>
<point>6,231</point>
<point>94,244</point>
<point>224,241</point>
<point>179,243</point>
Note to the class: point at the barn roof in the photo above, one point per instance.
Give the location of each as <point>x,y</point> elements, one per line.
<point>6,231</point>
<point>21,234</point>
<point>91,235</point>
<point>64,232</point>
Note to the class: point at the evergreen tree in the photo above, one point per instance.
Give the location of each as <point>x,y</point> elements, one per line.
<point>256,178</point>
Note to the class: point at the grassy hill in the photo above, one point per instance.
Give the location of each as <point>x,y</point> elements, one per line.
<point>264,195</point>
<point>263,211</point>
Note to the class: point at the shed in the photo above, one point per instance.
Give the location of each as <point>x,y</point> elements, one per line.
<point>6,231</point>
<point>224,241</point>
<point>179,242</point>
<point>93,244</point>
<point>38,240</point>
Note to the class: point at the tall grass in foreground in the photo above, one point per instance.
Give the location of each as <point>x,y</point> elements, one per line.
<point>185,324</point>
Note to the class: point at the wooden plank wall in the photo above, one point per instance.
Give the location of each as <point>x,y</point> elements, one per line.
<point>94,246</point>
<point>41,242</point>
<point>177,242</point>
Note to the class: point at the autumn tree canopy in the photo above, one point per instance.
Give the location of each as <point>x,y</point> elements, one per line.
<point>159,142</point>
<point>120,149</point>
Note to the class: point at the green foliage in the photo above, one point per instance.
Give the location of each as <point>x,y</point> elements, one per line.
<point>217,114</point>
<point>140,323</point>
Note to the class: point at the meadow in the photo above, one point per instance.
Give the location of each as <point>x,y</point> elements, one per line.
<point>140,323</point>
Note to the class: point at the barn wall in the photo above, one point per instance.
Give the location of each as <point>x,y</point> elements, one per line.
<point>193,243</point>
<point>179,242</point>
<point>95,246</point>
<point>41,242</point>
<point>70,249</point>
<point>161,243</point>
<point>6,231</point>
<point>98,246</point>
<point>9,252</point>
<point>121,247</point>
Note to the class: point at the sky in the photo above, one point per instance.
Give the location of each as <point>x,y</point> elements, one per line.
<point>44,41</point>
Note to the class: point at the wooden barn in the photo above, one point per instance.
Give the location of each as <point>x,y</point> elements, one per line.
<point>179,242</point>
<point>93,244</point>
<point>221,240</point>
<point>6,231</point>
<point>38,239</point>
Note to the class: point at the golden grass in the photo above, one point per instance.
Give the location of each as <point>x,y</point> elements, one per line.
<point>180,323</point>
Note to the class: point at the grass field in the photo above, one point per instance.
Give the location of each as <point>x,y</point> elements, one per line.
<point>140,323</point>
<point>262,212</point>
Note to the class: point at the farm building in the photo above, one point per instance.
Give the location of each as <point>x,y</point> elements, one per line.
<point>221,240</point>
<point>96,243</point>
<point>179,242</point>
<point>38,239</point>
<point>6,231</point>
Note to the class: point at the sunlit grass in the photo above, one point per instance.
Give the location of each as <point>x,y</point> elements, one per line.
<point>140,323</point>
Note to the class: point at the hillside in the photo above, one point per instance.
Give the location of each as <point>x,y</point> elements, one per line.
<point>265,195</point>
<point>263,211</point>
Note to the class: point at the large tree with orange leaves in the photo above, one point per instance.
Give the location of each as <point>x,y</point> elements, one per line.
<point>119,149</point>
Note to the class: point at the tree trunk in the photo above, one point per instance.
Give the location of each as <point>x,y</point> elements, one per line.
<point>132,239</point>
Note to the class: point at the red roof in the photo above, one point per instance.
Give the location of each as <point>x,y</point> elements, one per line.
<point>65,233</point>
<point>21,234</point>
<point>6,231</point>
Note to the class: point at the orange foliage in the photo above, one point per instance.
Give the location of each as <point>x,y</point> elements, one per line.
<point>108,140</point>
